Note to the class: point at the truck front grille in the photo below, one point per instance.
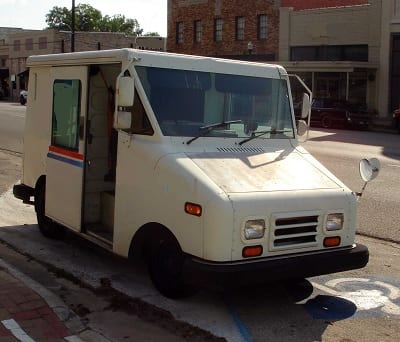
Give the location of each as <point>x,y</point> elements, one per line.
<point>294,232</point>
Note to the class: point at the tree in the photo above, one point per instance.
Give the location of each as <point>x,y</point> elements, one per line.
<point>118,23</point>
<point>89,19</point>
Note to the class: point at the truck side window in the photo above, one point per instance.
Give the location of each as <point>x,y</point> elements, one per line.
<point>140,122</point>
<point>65,116</point>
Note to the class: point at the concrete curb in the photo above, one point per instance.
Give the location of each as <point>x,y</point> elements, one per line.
<point>68,317</point>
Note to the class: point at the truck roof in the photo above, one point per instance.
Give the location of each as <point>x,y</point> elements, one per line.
<point>158,59</point>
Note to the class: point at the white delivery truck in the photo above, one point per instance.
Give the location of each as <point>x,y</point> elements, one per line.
<point>191,162</point>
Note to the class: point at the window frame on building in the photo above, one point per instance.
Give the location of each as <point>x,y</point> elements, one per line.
<point>29,44</point>
<point>179,32</point>
<point>42,43</point>
<point>355,53</point>
<point>197,31</point>
<point>396,9</point>
<point>17,45</point>
<point>262,26</point>
<point>218,29</point>
<point>240,23</point>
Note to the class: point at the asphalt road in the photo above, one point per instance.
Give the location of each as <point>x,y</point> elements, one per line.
<point>340,151</point>
<point>12,121</point>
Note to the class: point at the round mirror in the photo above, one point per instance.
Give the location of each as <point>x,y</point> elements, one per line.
<point>301,128</point>
<point>369,169</point>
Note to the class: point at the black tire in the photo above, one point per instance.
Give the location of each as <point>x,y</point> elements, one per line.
<point>165,267</point>
<point>47,227</point>
<point>326,122</point>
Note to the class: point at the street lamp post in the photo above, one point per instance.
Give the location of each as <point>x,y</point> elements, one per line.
<point>73,26</point>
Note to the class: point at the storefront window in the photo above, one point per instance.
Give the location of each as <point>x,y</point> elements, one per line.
<point>330,85</point>
<point>358,88</point>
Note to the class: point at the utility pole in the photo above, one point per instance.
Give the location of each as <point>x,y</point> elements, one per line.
<point>73,26</point>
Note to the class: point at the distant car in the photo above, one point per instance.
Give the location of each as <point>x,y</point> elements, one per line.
<point>396,117</point>
<point>328,113</point>
<point>23,97</point>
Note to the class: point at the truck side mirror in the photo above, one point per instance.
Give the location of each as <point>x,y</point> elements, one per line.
<point>301,128</point>
<point>126,90</point>
<point>306,106</point>
<point>369,169</point>
<point>123,120</point>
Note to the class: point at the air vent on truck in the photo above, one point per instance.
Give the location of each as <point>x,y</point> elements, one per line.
<point>294,232</point>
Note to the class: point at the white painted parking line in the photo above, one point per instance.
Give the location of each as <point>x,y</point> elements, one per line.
<point>16,330</point>
<point>367,294</point>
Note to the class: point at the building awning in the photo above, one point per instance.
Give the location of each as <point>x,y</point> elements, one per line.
<point>326,66</point>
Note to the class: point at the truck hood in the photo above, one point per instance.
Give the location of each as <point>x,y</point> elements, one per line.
<point>264,172</point>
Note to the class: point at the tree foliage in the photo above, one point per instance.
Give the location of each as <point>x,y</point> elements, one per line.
<point>90,19</point>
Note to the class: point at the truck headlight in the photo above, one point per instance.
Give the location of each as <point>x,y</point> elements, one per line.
<point>254,229</point>
<point>334,221</point>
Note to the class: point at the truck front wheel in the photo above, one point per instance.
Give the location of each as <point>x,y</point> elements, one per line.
<point>48,227</point>
<point>165,267</point>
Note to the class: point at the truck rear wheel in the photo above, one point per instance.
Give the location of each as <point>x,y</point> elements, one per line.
<point>165,267</point>
<point>48,227</point>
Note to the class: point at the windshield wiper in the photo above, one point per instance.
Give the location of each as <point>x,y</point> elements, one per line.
<point>207,129</point>
<point>258,134</point>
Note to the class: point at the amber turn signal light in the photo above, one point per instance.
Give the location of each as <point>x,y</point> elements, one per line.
<point>252,251</point>
<point>193,209</point>
<point>332,241</point>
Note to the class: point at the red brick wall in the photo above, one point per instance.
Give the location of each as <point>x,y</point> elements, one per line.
<point>190,10</point>
<point>310,4</point>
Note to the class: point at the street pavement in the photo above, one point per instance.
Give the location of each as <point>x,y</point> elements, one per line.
<point>28,312</point>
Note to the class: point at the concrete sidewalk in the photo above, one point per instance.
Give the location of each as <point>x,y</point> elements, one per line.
<point>29,312</point>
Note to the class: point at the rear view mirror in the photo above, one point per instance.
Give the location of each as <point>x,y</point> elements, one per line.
<point>123,120</point>
<point>301,128</point>
<point>306,106</point>
<point>126,90</point>
<point>369,169</point>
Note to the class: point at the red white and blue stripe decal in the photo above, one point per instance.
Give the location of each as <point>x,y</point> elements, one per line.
<point>65,156</point>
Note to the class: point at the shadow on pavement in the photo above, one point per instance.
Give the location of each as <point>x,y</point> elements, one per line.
<point>389,142</point>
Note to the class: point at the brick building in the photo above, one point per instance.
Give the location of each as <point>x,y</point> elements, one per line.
<point>235,28</point>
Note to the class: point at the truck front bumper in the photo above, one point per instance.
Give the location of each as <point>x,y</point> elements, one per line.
<point>301,265</point>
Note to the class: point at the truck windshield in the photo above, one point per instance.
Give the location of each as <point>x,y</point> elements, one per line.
<point>236,106</point>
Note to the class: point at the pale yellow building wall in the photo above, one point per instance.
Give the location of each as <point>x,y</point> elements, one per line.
<point>330,26</point>
<point>390,17</point>
<point>371,24</point>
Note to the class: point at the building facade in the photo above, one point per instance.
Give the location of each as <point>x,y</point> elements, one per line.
<point>349,52</point>
<point>343,49</point>
<point>238,29</point>
<point>16,45</point>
